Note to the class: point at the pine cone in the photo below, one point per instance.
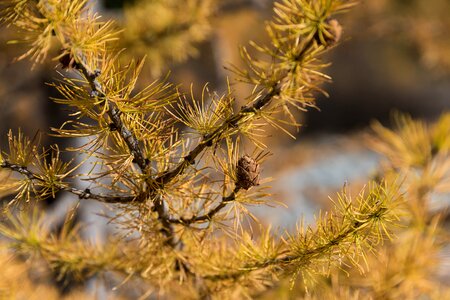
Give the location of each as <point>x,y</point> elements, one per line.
<point>247,173</point>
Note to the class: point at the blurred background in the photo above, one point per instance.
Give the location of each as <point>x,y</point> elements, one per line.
<point>395,56</point>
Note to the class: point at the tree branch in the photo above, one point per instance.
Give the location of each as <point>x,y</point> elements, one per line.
<point>133,145</point>
<point>82,194</point>
<point>114,114</point>
<point>208,139</point>
<point>208,216</point>
<point>303,258</point>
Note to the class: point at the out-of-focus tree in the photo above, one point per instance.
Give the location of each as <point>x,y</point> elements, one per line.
<point>422,25</point>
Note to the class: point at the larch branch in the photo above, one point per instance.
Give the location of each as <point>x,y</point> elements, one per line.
<point>209,215</point>
<point>82,194</point>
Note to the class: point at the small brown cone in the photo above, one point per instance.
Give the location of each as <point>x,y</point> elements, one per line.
<point>247,172</point>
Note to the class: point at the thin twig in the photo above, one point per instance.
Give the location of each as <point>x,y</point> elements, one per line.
<point>303,257</point>
<point>209,215</point>
<point>82,194</point>
<point>114,114</point>
<point>209,138</point>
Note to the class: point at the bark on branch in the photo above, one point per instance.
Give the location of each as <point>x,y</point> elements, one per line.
<point>82,194</point>
<point>209,215</point>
